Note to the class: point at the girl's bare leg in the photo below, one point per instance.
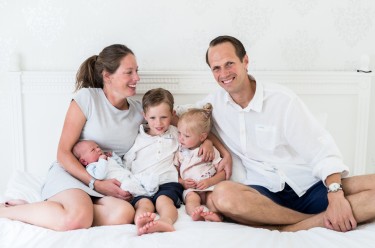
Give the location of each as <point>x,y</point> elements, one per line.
<point>193,206</point>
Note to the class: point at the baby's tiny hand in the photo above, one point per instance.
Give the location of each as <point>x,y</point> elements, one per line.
<point>103,156</point>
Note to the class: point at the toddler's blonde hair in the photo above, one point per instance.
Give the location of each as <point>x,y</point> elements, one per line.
<point>198,119</point>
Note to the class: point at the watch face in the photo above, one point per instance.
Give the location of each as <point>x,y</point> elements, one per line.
<point>334,187</point>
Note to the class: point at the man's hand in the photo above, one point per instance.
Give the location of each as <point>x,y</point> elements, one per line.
<point>207,151</point>
<point>339,214</point>
<point>226,165</point>
<point>111,187</point>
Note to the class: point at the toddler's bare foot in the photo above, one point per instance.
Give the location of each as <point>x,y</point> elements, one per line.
<point>143,220</point>
<point>156,226</point>
<point>197,214</point>
<point>15,202</point>
<point>212,216</point>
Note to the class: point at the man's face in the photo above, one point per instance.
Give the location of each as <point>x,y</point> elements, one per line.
<point>227,68</point>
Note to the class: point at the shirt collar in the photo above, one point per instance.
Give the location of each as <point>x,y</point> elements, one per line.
<point>255,104</point>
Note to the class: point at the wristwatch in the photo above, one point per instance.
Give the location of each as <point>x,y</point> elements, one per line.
<point>91,183</point>
<point>334,187</point>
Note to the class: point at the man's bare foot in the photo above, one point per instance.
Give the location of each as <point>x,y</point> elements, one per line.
<point>143,220</point>
<point>15,202</point>
<point>197,214</point>
<point>156,226</point>
<point>212,216</point>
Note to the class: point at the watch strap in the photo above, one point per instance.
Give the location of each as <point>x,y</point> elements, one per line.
<point>91,183</point>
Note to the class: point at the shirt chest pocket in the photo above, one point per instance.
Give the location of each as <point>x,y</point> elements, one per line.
<point>266,136</point>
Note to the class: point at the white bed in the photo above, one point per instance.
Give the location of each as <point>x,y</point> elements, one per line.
<point>34,103</point>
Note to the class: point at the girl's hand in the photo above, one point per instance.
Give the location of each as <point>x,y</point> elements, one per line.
<point>111,187</point>
<point>207,151</point>
<point>204,184</point>
<point>189,184</point>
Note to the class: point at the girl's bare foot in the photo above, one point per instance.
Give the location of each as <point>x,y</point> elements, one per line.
<point>197,214</point>
<point>212,216</point>
<point>143,220</point>
<point>156,226</point>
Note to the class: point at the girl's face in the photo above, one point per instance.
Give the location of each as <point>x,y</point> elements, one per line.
<point>90,152</point>
<point>187,138</point>
<point>122,83</point>
<point>159,118</point>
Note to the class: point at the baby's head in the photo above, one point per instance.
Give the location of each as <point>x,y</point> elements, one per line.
<point>194,126</point>
<point>87,151</point>
<point>158,110</point>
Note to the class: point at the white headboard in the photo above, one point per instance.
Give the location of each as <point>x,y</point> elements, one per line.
<point>33,107</point>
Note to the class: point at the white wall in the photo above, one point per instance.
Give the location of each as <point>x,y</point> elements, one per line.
<point>310,35</point>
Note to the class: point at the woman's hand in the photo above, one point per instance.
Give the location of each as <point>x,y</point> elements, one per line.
<point>207,151</point>
<point>111,187</point>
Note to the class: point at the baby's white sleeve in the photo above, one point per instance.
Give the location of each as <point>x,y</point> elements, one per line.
<point>98,170</point>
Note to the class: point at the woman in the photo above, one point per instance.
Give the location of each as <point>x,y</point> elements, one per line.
<point>101,110</point>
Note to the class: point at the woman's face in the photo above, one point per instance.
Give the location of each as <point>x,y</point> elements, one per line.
<point>122,83</point>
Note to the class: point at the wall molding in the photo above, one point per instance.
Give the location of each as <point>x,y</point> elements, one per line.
<point>19,84</point>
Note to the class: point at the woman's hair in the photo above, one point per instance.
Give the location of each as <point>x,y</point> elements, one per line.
<point>198,120</point>
<point>89,74</point>
<point>157,96</point>
<point>238,46</point>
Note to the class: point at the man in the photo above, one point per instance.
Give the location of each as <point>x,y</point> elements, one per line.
<point>295,177</point>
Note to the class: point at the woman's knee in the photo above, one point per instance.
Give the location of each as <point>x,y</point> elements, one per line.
<point>76,210</point>
<point>118,212</point>
<point>76,220</point>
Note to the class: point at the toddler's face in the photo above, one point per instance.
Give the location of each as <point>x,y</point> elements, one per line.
<point>188,139</point>
<point>159,118</point>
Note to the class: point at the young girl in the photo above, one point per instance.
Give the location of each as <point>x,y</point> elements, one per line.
<point>197,177</point>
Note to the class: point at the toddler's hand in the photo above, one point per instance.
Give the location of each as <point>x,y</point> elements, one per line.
<point>204,184</point>
<point>189,184</point>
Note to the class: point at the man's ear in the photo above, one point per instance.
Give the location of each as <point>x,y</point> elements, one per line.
<point>144,115</point>
<point>246,60</point>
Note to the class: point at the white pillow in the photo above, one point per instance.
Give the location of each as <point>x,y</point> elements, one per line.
<point>25,186</point>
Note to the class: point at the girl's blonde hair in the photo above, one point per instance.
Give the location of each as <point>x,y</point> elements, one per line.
<point>199,120</point>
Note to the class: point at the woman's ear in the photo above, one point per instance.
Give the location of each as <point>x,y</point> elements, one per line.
<point>106,76</point>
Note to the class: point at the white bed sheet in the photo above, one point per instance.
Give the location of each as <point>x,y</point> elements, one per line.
<point>188,233</point>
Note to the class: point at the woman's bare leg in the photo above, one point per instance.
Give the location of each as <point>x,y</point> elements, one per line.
<point>67,210</point>
<point>112,211</point>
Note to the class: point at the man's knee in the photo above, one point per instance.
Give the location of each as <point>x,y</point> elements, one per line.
<point>223,196</point>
